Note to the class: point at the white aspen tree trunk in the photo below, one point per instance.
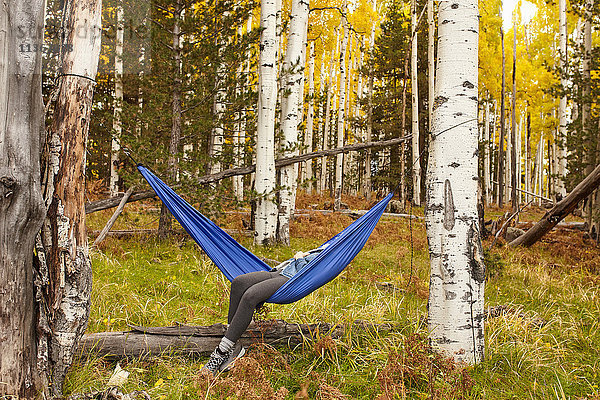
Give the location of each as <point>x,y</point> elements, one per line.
<point>496,192</point>
<point>117,104</point>
<point>266,209</point>
<point>219,108</point>
<point>586,108</point>
<point>329,106</point>
<point>507,168</point>
<point>526,161</point>
<point>341,120</point>
<point>326,131</point>
<point>139,122</point>
<point>238,135</point>
<point>348,158</point>
<point>360,92</point>
<point>431,56</point>
<point>519,160</point>
<point>165,220</point>
<point>22,370</point>
<point>307,172</point>
<point>321,124</point>
<point>513,153</point>
<point>562,106</point>
<point>456,289</point>
<point>501,162</point>
<point>539,164</point>
<point>369,131</point>
<point>416,165</point>
<point>486,153</point>
<point>62,253</point>
<point>294,71</point>
<point>280,72</point>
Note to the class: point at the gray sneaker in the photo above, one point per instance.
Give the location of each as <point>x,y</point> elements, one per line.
<point>237,352</point>
<point>216,360</point>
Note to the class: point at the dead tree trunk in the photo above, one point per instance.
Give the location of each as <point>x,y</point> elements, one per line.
<point>21,205</point>
<point>190,340</point>
<point>64,267</point>
<point>560,210</point>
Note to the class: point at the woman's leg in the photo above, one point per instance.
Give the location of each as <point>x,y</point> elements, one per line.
<point>239,286</point>
<point>247,291</point>
<point>253,296</point>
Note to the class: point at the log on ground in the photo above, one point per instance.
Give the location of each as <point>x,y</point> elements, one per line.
<point>201,340</point>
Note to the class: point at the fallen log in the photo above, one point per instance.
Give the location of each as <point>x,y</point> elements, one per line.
<point>114,217</point>
<point>574,226</point>
<point>201,340</point>
<point>120,234</point>
<point>560,210</point>
<point>104,204</point>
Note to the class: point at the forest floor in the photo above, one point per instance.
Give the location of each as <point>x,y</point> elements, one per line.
<point>542,332</point>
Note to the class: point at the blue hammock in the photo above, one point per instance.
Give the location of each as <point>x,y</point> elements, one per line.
<point>233,259</point>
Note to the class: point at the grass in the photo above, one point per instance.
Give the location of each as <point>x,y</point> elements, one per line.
<point>545,346</point>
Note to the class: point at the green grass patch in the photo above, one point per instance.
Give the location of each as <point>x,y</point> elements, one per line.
<point>545,345</point>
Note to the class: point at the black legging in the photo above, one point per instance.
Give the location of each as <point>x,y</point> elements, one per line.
<point>247,292</point>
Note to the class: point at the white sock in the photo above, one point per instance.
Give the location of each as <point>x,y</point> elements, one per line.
<point>226,345</point>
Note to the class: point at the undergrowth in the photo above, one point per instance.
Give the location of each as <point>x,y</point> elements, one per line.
<point>542,331</point>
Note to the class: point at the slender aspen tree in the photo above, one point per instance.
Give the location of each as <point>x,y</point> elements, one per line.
<point>117,103</point>
<point>294,70</point>
<point>589,158</point>
<point>562,106</point>
<point>326,131</point>
<point>63,260</point>
<point>219,106</point>
<point>321,124</point>
<point>527,157</point>
<point>416,165</point>
<point>501,163</point>
<point>513,147</point>
<point>431,57</point>
<point>21,204</point>
<point>456,312</point>
<point>369,133</point>
<point>266,209</point>
<point>307,172</point>
<point>486,153</point>
<point>341,118</point>
<point>239,128</point>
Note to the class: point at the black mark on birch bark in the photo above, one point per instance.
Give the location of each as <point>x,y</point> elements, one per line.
<point>448,206</point>
<point>476,264</point>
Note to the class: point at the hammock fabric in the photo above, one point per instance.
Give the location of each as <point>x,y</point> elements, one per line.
<point>233,259</point>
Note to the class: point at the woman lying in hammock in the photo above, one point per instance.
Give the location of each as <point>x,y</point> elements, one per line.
<point>247,292</point>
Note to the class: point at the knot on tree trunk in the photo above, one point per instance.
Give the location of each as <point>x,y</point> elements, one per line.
<point>7,185</point>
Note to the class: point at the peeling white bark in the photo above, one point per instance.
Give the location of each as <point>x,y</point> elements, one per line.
<point>64,266</point>
<point>457,270</point>
<point>266,209</point>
